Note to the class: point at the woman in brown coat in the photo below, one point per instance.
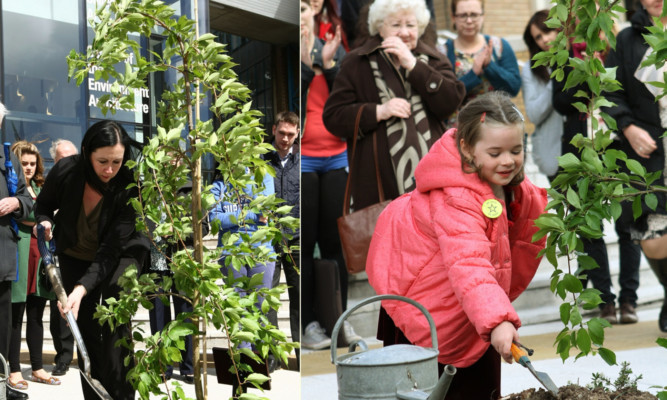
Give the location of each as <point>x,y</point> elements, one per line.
<point>407,90</point>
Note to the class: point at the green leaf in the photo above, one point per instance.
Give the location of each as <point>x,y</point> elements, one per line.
<point>250,324</point>
<point>596,331</point>
<point>636,167</point>
<point>561,12</point>
<point>243,336</point>
<point>573,198</point>
<point>565,313</point>
<point>256,280</point>
<point>572,284</point>
<point>568,161</point>
<point>616,209</point>
<point>636,207</point>
<point>651,201</point>
<point>575,316</point>
<point>257,378</point>
<point>607,355</point>
<point>583,341</point>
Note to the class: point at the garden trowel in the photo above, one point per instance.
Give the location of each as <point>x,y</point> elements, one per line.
<point>521,357</point>
<point>53,272</point>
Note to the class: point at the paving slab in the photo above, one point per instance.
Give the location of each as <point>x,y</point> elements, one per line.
<point>285,386</point>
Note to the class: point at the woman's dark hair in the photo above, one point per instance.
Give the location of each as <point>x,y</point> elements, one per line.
<point>331,6</point>
<point>538,19</point>
<point>492,108</point>
<point>102,134</point>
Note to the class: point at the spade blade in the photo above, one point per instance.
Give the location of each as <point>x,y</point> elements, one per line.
<point>544,379</point>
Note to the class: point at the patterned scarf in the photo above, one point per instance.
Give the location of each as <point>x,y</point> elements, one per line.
<point>409,139</point>
<point>648,74</point>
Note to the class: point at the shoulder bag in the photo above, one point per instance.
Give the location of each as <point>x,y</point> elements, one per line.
<point>356,229</point>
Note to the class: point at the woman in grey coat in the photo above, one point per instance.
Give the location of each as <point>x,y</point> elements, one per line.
<point>537,90</point>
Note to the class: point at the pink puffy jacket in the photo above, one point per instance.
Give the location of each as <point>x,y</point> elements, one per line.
<point>434,245</point>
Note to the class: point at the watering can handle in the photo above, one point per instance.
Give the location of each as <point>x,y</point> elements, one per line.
<point>6,367</point>
<point>334,333</point>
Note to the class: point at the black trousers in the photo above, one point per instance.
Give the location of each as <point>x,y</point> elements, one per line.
<point>630,257</point>
<point>599,277</point>
<point>289,263</point>
<point>6,316</point>
<point>321,204</point>
<point>34,332</point>
<point>478,381</point>
<point>106,359</point>
<point>160,316</point>
<point>63,341</point>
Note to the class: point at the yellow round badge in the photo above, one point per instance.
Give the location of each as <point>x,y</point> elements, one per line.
<point>492,208</point>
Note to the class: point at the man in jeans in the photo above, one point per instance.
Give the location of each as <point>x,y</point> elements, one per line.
<point>286,161</point>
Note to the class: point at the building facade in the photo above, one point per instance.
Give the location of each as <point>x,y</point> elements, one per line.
<point>44,105</point>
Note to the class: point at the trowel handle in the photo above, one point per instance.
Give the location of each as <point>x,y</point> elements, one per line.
<point>52,271</point>
<point>519,354</point>
<point>47,257</point>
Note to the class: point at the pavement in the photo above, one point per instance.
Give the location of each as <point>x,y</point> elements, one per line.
<point>284,385</point>
<point>633,343</point>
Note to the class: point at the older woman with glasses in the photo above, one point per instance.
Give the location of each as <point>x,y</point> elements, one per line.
<point>406,88</point>
<point>482,62</point>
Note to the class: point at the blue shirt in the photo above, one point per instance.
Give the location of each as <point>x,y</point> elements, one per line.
<point>223,211</point>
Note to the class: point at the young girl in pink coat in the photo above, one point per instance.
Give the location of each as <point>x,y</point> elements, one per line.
<point>460,244</point>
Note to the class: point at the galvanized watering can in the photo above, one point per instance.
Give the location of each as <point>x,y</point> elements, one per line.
<point>3,379</point>
<point>400,371</point>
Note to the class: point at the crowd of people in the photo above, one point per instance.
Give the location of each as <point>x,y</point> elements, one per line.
<point>421,119</point>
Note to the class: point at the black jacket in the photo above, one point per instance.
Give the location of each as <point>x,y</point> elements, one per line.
<point>117,236</point>
<point>287,181</point>
<point>573,121</point>
<point>634,103</point>
<point>8,237</point>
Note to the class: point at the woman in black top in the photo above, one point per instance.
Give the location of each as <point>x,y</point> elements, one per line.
<point>641,122</point>
<point>94,229</point>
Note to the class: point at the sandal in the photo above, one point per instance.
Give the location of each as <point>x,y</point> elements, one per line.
<point>20,385</point>
<point>50,381</point>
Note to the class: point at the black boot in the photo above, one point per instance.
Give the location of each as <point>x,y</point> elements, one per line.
<point>15,394</point>
<point>659,267</point>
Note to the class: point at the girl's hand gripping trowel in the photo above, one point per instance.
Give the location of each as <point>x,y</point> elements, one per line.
<point>53,272</point>
<point>521,357</point>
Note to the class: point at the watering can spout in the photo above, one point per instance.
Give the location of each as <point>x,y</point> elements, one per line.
<point>445,380</point>
<point>438,393</point>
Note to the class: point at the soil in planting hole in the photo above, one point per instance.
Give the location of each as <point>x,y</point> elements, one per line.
<point>576,392</point>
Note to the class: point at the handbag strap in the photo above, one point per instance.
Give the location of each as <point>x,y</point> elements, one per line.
<point>348,195</point>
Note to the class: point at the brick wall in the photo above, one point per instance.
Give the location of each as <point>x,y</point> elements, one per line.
<point>505,18</point>
<point>502,17</point>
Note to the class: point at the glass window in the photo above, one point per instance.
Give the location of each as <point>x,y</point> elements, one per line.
<point>37,37</point>
<point>41,133</point>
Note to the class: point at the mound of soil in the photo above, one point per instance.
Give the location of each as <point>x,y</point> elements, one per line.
<point>576,392</point>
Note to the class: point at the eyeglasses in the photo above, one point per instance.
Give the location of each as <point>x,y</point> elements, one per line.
<point>472,16</point>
